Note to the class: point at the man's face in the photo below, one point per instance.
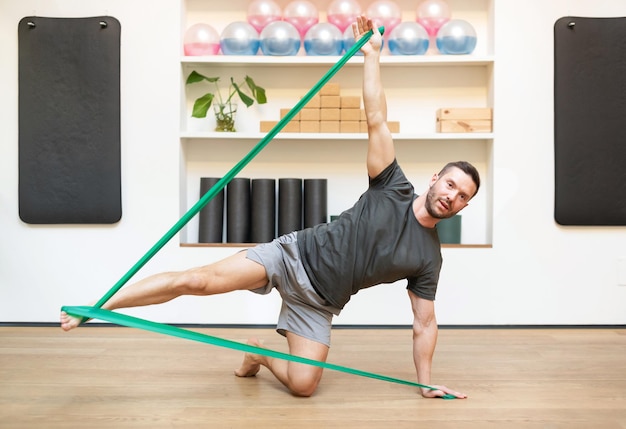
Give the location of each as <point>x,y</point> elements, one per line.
<point>449,193</point>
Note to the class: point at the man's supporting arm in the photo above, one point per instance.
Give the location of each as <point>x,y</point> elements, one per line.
<point>425,333</point>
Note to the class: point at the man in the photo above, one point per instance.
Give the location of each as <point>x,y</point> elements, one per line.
<point>389,234</point>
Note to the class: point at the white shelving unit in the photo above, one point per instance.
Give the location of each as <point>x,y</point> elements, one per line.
<point>416,86</point>
<point>388,60</point>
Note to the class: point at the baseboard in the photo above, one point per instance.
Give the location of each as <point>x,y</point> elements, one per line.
<point>346,326</point>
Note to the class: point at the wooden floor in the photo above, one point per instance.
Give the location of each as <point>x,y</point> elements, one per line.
<point>103,377</point>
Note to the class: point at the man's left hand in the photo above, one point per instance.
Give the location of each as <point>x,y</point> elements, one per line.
<point>440,391</point>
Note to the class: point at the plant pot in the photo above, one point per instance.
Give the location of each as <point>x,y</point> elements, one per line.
<point>225,117</point>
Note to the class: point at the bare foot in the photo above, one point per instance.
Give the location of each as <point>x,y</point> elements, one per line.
<point>250,365</point>
<point>69,322</point>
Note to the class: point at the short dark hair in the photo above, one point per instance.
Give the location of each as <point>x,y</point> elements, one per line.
<point>467,168</point>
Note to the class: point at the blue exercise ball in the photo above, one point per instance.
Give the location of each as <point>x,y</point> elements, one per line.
<point>408,38</point>
<point>239,38</point>
<point>280,38</point>
<point>323,39</point>
<point>456,37</point>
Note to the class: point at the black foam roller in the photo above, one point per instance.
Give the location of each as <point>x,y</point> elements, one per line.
<point>263,203</point>
<point>289,205</point>
<point>211,222</point>
<point>238,210</point>
<point>315,202</point>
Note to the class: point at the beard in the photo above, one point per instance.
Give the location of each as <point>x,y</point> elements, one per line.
<point>432,206</point>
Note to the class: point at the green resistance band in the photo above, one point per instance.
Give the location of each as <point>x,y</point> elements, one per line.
<point>161,328</point>
<point>215,189</point>
<point>97,312</point>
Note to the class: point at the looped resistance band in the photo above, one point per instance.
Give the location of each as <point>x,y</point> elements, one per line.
<point>97,312</point>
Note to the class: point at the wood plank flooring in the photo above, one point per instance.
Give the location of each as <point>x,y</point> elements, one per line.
<point>113,377</point>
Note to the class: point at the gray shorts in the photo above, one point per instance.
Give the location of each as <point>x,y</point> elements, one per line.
<point>303,311</point>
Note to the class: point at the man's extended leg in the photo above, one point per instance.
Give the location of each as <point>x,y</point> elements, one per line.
<point>232,273</point>
<point>300,379</point>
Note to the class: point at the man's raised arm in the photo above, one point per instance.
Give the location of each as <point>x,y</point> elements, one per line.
<point>380,151</point>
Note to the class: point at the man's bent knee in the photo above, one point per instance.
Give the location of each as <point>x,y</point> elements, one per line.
<point>304,384</point>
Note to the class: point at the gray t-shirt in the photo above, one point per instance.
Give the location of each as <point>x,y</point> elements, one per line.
<point>378,240</point>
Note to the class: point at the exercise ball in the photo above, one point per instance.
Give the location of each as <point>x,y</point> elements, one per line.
<point>302,14</point>
<point>408,38</point>
<point>201,39</point>
<point>323,39</point>
<point>386,13</point>
<point>343,13</point>
<point>348,40</point>
<point>456,37</point>
<point>280,38</point>
<point>432,14</point>
<point>262,12</point>
<point>239,38</point>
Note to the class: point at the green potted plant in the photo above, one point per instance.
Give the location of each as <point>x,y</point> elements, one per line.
<point>225,109</point>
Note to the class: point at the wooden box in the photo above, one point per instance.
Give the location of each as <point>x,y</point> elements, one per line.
<point>464,126</point>
<point>350,102</point>
<point>309,126</point>
<point>394,126</point>
<point>350,114</point>
<point>329,126</point>
<point>283,113</point>
<point>464,113</point>
<point>290,127</point>
<point>349,127</point>
<point>310,114</point>
<point>330,114</point>
<point>313,103</point>
<point>330,89</point>
<point>464,120</point>
<point>330,101</point>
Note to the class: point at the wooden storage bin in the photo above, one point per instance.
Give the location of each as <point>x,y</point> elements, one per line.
<point>464,120</point>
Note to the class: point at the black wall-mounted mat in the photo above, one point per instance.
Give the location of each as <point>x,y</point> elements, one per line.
<point>590,121</point>
<point>69,120</point>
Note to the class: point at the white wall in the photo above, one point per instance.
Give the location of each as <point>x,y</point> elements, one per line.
<point>536,273</point>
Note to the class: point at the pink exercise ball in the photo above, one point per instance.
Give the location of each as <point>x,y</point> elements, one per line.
<point>262,12</point>
<point>302,14</point>
<point>201,39</point>
<point>343,13</point>
<point>386,13</point>
<point>432,14</point>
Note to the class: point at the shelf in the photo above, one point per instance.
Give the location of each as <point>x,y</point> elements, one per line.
<point>415,86</point>
<point>335,136</point>
<point>300,60</point>
<point>443,246</point>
